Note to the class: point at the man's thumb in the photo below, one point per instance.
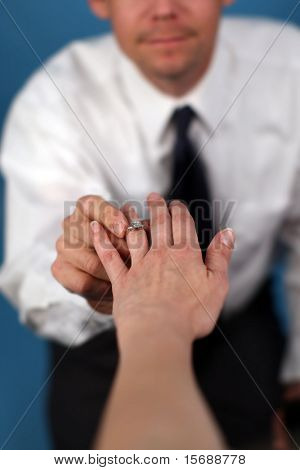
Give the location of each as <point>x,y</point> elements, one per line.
<point>220,250</point>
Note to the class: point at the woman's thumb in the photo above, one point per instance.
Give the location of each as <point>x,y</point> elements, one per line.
<point>220,250</point>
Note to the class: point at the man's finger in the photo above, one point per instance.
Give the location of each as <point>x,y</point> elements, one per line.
<point>280,438</point>
<point>96,208</point>
<point>79,282</point>
<point>85,259</point>
<point>78,235</point>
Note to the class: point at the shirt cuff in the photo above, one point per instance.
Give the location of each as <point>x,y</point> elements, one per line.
<point>58,314</point>
<point>70,324</point>
<point>47,307</point>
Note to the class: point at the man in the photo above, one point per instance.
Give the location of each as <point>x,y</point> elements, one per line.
<point>113,124</point>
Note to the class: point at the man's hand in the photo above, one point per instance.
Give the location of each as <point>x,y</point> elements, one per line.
<point>77,266</point>
<point>281,439</point>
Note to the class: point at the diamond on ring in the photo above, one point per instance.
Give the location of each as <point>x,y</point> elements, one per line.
<point>135,225</point>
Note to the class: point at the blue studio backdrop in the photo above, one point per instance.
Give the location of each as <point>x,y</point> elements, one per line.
<point>28,29</point>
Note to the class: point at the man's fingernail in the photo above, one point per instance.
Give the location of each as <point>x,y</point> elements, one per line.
<point>119,229</point>
<point>228,237</point>
<point>95,226</point>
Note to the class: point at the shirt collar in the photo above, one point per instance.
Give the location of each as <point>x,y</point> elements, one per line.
<point>153,108</point>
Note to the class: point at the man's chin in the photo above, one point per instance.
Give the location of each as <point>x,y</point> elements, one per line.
<point>168,68</point>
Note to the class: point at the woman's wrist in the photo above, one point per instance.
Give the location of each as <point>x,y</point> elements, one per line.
<point>152,322</point>
<point>153,339</point>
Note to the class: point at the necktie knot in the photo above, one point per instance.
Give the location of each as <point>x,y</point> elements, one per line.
<point>182,119</point>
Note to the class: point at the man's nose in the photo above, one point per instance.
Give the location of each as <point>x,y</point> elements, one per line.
<point>164,9</point>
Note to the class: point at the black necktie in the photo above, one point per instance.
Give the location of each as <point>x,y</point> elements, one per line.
<point>189,177</point>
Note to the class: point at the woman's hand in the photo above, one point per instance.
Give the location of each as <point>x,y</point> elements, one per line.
<point>168,287</point>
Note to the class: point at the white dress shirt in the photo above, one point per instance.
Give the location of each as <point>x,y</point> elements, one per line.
<point>90,123</point>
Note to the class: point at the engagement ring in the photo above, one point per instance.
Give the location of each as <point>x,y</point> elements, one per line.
<point>135,225</point>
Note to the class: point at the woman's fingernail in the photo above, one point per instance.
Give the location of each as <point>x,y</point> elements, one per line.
<point>154,196</point>
<point>174,202</point>
<point>228,238</point>
<point>95,226</point>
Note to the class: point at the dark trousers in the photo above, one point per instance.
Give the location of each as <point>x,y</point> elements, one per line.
<point>236,367</point>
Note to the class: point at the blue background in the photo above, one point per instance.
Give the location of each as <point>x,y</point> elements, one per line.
<point>48,25</point>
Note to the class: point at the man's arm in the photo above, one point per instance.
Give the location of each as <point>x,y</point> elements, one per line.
<point>44,176</point>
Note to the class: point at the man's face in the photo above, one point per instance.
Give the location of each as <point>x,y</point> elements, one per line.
<point>167,39</point>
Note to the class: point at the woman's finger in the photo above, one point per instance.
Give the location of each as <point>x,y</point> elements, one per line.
<point>183,226</point>
<point>109,256</point>
<point>137,240</point>
<point>160,220</point>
